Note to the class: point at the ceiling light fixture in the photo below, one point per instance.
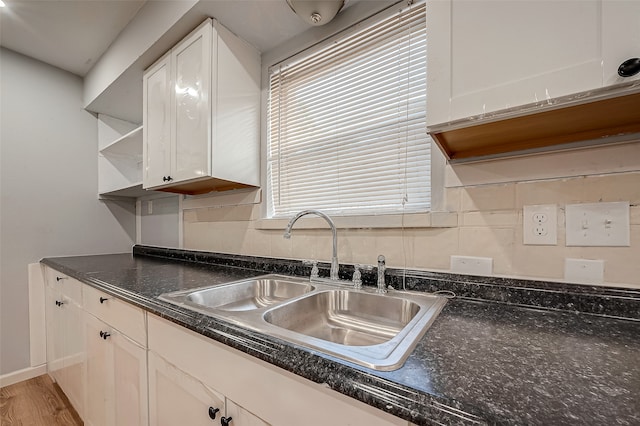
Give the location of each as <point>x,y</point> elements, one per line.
<point>316,12</point>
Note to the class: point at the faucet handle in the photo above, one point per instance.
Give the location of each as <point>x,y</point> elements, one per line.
<point>357,277</point>
<point>382,285</point>
<point>314,268</point>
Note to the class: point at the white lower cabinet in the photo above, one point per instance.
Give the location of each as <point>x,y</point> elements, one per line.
<point>182,382</point>
<point>175,397</point>
<point>120,366</point>
<point>55,333</point>
<point>178,398</point>
<point>116,377</point>
<point>236,415</point>
<point>65,343</point>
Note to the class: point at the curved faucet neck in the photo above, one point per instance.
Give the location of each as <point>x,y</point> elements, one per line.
<point>334,258</point>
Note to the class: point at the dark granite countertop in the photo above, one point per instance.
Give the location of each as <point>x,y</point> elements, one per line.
<point>484,360</point>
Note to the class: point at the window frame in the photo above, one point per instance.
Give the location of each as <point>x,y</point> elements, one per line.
<point>435,217</point>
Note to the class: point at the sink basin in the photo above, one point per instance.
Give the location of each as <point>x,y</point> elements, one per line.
<point>346,317</point>
<point>377,331</point>
<point>243,295</point>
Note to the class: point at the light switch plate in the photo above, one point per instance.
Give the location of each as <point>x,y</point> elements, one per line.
<point>598,225</point>
<point>472,265</point>
<point>584,271</point>
<point>540,225</point>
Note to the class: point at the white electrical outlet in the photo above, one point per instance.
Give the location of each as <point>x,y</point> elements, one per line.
<point>472,265</point>
<point>598,225</point>
<point>584,271</point>
<point>540,225</point>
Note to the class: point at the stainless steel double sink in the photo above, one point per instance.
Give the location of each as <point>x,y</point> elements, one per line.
<point>377,331</point>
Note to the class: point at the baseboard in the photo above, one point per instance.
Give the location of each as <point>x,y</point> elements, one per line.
<point>21,375</point>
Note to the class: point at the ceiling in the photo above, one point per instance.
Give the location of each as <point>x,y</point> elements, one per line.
<point>70,34</point>
<point>74,34</point>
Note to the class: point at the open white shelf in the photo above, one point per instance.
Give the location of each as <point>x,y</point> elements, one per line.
<point>133,191</point>
<point>129,145</point>
<point>119,158</point>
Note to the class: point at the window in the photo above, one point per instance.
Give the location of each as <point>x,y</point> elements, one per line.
<point>347,122</point>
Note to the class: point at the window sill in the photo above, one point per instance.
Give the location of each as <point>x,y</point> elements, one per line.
<point>410,220</point>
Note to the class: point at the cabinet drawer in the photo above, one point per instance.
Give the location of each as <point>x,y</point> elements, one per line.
<point>120,315</point>
<point>69,287</point>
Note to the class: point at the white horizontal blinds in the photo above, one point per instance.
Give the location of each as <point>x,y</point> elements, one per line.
<point>347,123</point>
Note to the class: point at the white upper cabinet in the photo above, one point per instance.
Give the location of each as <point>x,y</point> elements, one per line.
<point>490,55</point>
<point>201,114</point>
<point>620,37</point>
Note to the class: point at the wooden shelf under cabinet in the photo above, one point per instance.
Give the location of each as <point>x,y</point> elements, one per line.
<point>204,186</point>
<point>595,115</point>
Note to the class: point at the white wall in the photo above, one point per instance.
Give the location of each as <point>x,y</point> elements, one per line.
<point>487,198</point>
<point>48,188</point>
<point>159,221</point>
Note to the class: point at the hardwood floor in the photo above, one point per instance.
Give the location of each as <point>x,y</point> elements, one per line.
<point>36,402</point>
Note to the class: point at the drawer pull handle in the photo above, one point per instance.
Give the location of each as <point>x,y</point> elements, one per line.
<point>104,334</point>
<point>167,178</point>
<point>103,299</point>
<point>213,412</point>
<point>60,278</point>
<point>224,421</point>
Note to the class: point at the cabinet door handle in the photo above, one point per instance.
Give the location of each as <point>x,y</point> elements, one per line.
<point>629,68</point>
<point>59,303</point>
<point>60,278</point>
<point>167,178</point>
<point>103,299</point>
<point>225,421</point>
<point>104,334</point>
<point>213,412</point>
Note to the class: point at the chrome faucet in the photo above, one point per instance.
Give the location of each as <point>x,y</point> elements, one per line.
<point>334,259</point>
<point>382,285</point>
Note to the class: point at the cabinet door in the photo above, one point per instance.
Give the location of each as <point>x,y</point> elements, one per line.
<point>65,343</point>
<point>74,354</point>
<point>242,417</point>
<point>100,386</point>
<point>130,380</point>
<point>55,336</point>
<point>116,377</point>
<point>487,55</point>
<point>191,105</point>
<point>177,398</point>
<point>156,133</point>
<point>620,37</point>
